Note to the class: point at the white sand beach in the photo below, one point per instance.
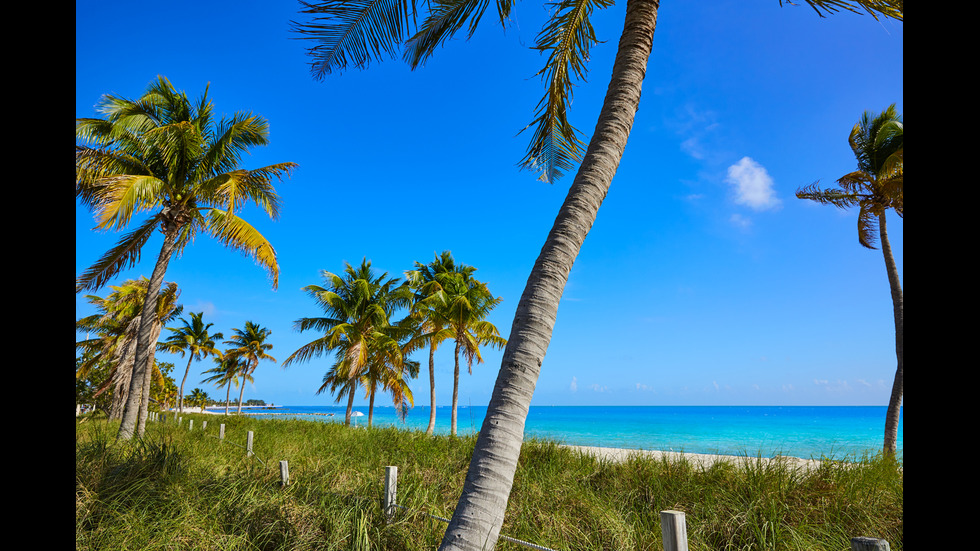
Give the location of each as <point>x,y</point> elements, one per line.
<point>703,459</point>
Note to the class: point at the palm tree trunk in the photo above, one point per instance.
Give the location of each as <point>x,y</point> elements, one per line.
<point>479,514</point>
<point>227,397</point>
<point>144,352</point>
<point>452,425</point>
<point>350,406</point>
<point>241,393</point>
<point>180,397</point>
<point>895,402</point>
<point>371,406</point>
<point>432,390</point>
<point>144,411</point>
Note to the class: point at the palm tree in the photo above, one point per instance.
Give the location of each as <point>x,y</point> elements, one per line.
<point>117,327</point>
<point>226,373</point>
<point>198,398</point>
<point>194,340</point>
<point>357,328</point>
<point>463,305</point>
<point>389,370</point>
<point>427,330</point>
<point>249,344</point>
<point>875,187</point>
<point>166,155</point>
<point>355,32</point>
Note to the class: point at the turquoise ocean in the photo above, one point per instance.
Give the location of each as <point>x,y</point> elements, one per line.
<point>810,432</point>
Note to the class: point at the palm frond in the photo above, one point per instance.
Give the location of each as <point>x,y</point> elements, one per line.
<point>235,232</point>
<point>835,197</point>
<point>445,19</point>
<point>353,32</point>
<point>125,254</point>
<point>885,8</point>
<point>555,146</point>
<point>232,138</point>
<point>125,195</point>
<point>867,226</point>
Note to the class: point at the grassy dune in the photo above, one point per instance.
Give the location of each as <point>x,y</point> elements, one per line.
<point>181,489</point>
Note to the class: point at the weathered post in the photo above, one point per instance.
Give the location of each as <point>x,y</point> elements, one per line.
<point>869,544</point>
<point>204,425</point>
<point>190,425</point>
<point>248,444</point>
<point>673,527</point>
<point>284,473</point>
<point>391,491</point>
<point>221,432</point>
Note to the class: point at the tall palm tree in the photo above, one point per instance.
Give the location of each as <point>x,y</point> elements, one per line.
<point>358,307</point>
<point>249,344</point>
<point>876,186</point>
<point>226,373</point>
<point>194,340</point>
<point>355,32</point>
<point>463,306</point>
<point>116,328</point>
<point>169,156</point>
<point>428,331</point>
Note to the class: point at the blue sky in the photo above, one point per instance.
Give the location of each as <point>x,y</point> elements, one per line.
<point>704,280</point>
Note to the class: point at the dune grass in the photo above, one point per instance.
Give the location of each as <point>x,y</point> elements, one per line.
<point>181,489</point>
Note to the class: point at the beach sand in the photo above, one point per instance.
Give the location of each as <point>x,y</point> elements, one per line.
<point>702,459</point>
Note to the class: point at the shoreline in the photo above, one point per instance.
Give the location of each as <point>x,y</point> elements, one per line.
<point>623,454</point>
<point>702,459</point>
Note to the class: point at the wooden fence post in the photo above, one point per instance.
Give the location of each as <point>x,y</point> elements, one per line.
<point>204,425</point>
<point>221,432</point>
<point>673,526</point>
<point>869,544</point>
<point>284,473</point>
<point>391,491</point>
<point>190,426</point>
<point>248,444</point>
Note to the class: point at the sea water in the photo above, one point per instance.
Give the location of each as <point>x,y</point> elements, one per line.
<point>810,432</point>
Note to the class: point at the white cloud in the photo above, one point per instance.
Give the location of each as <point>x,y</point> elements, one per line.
<point>599,388</point>
<point>574,385</point>
<point>753,185</point>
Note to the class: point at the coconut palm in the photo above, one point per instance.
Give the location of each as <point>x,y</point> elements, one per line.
<point>169,156</point>
<point>194,340</point>
<point>462,306</point>
<point>249,345</point>
<point>226,374</point>
<point>117,327</point>
<point>358,307</point>
<point>427,330</point>
<point>875,187</point>
<point>389,370</point>
<point>352,33</point>
<point>198,398</point>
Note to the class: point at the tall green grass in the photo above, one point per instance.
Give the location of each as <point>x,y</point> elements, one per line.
<point>181,489</point>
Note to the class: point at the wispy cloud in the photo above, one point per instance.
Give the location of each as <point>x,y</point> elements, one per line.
<point>752,185</point>
<point>574,386</point>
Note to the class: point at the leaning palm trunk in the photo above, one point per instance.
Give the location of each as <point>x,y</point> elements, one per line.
<point>479,514</point>
<point>895,402</point>
<point>180,396</point>
<point>144,351</point>
<point>241,393</point>
<point>432,390</point>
